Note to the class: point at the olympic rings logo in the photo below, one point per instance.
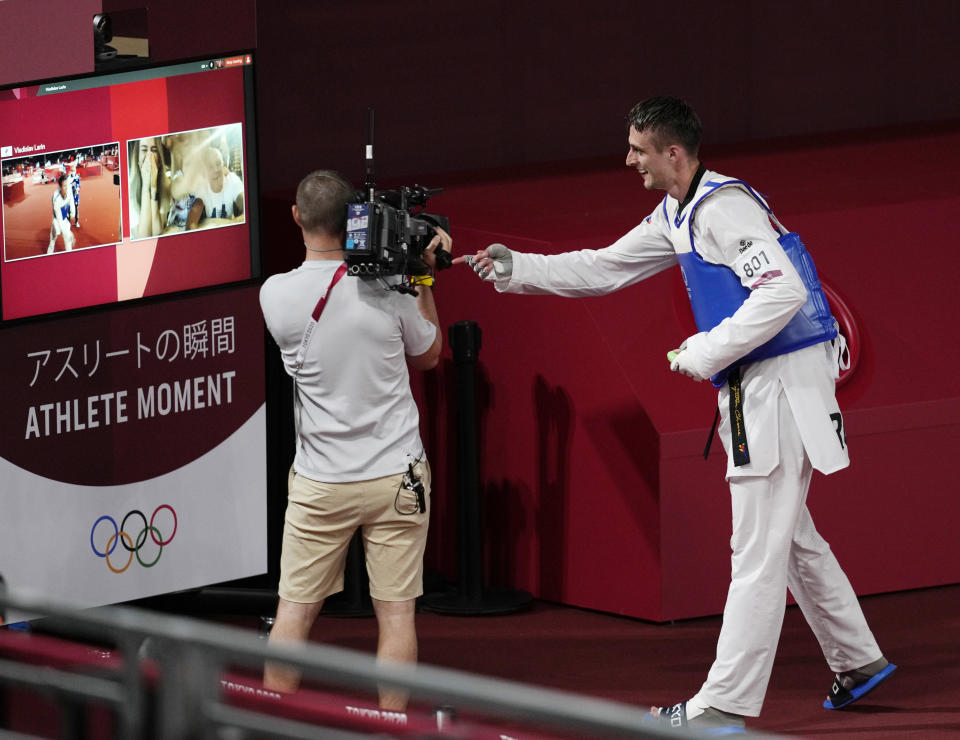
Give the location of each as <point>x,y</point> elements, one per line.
<point>132,547</point>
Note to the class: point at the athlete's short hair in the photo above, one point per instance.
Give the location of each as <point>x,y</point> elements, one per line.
<point>670,120</point>
<point>60,180</point>
<point>322,198</point>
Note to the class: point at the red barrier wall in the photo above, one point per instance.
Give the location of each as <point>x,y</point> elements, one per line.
<point>594,484</point>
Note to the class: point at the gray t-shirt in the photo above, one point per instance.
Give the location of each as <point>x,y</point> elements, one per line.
<point>355,414</point>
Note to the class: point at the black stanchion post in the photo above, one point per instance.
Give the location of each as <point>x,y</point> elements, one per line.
<point>72,718</point>
<point>471,596</point>
<point>465,342</point>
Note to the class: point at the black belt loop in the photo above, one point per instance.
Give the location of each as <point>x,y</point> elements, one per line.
<point>738,432</point>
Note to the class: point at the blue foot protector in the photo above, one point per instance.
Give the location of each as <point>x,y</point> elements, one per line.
<point>840,697</point>
<point>675,717</point>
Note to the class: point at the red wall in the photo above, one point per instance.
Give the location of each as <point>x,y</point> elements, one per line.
<point>34,48</point>
<point>488,84</point>
<point>181,29</point>
<point>595,448</point>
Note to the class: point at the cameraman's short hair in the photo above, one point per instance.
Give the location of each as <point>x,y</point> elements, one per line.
<point>322,198</point>
<point>670,120</point>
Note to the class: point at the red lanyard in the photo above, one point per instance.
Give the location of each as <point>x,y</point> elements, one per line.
<point>312,324</point>
<point>341,271</point>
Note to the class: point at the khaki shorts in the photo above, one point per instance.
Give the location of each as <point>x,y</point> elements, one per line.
<point>319,524</point>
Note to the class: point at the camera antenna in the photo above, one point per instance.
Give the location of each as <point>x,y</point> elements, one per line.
<point>370,184</point>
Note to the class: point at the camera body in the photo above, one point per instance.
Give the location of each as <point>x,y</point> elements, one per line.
<point>388,232</point>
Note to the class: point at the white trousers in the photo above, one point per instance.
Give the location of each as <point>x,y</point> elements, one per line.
<point>776,546</point>
<point>58,227</point>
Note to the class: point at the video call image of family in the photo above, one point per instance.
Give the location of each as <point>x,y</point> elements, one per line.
<point>58,202</point>
<point>188,180</point>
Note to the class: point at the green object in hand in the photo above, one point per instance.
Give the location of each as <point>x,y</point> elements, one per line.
<point>671,356</point>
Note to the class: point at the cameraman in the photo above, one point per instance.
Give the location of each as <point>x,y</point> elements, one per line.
<point>359,459</point>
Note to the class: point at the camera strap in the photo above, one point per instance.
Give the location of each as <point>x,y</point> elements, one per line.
<point>315,317</point>
<point>305,343</point>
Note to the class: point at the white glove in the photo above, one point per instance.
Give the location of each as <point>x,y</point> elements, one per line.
<point>493,263</point>
<point>684,360</point>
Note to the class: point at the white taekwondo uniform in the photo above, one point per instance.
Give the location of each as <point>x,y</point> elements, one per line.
<point>792,421</point>
<point>63,211</point>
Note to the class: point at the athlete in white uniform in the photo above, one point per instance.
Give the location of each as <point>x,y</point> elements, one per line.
<point>73,181</point>
<point>791,418</point>
<point>63,212</point>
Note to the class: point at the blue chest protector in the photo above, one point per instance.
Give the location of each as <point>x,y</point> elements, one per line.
<point>716,293</point>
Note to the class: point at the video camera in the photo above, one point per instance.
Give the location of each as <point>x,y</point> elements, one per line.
<point>388,231</point>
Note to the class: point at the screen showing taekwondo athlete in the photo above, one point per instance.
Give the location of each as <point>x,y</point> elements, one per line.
<point>126,184</point>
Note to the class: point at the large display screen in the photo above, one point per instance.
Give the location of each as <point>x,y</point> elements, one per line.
<point>129,184</point>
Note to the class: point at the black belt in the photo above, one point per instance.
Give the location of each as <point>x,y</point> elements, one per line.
<point>738,431</point>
